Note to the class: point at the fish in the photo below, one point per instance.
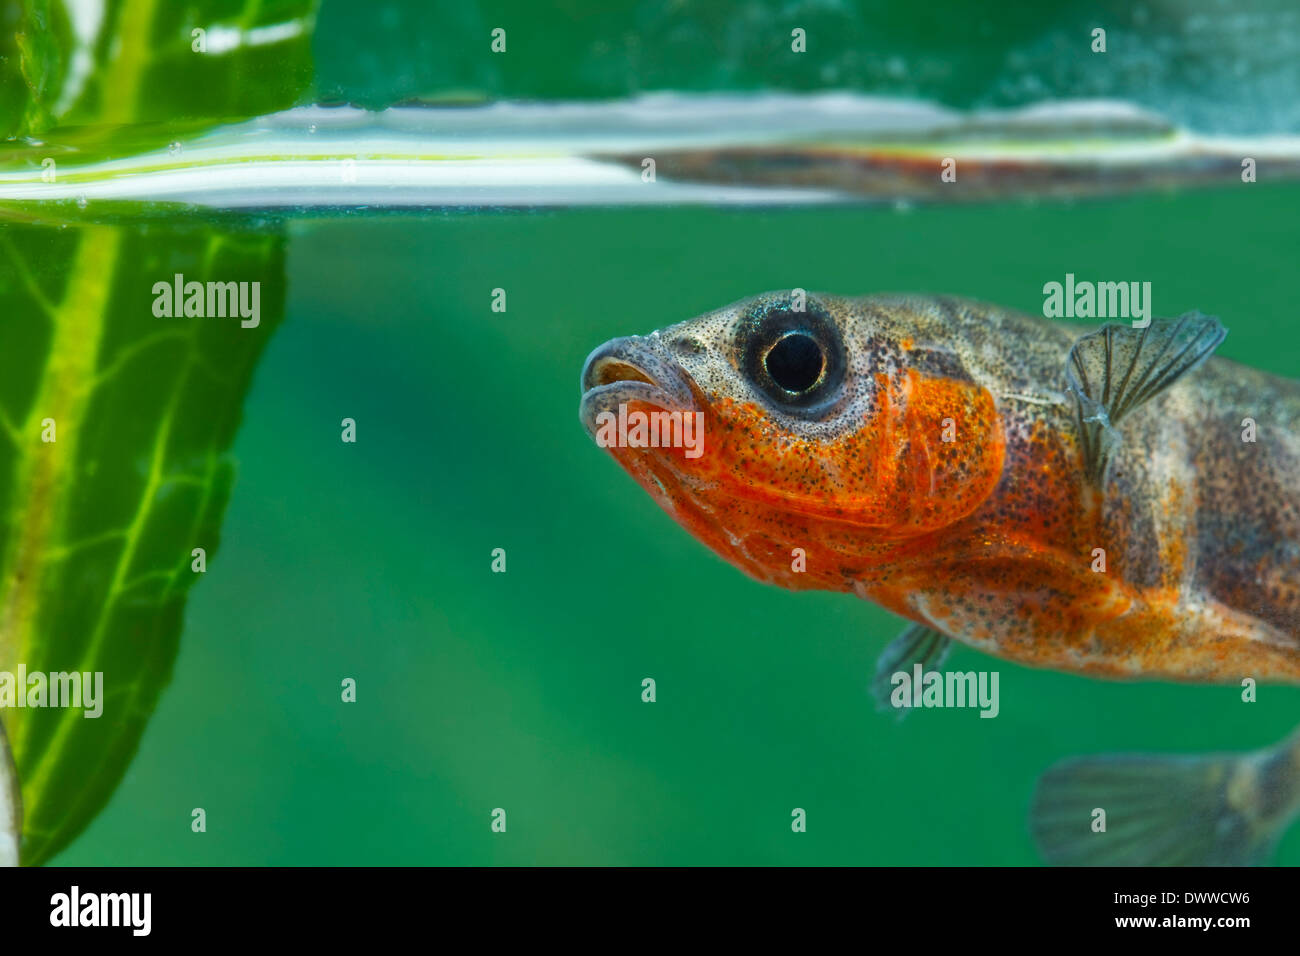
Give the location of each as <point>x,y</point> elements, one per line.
<point>753,149</point>
<point>1168,810</point>
<point>1113,501</point>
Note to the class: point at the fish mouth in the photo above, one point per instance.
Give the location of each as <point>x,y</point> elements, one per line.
<point>632,369</point>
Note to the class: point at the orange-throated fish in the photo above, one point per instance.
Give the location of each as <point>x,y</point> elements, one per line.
<point>1109,501</point>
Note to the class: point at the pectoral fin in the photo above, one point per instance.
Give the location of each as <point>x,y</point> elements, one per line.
<point>916,645</point>
<point>1118,368</point>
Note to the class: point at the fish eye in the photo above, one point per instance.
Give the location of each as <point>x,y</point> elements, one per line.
<point>795,357</point>
<point>795,362</point>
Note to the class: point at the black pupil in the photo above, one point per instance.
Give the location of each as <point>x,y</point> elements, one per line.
<point>795,362</point>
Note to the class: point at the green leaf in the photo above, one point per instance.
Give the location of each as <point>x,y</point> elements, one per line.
<point>35,37</point>
<point>98,527</point>
<point>150,61</point>
<point>11,809</point>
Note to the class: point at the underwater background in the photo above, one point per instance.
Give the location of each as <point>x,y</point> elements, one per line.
<point>523,690</point>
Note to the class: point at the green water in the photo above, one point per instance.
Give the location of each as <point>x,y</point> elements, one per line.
<point>523,690</point>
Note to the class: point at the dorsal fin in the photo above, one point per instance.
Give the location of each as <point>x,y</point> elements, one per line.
<point>1118,368</point>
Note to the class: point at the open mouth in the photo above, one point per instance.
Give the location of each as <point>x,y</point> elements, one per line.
<point>632,369</point>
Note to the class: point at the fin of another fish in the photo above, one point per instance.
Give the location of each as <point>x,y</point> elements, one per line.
<point>1220,810</point>
<point>1118,368</point>
<point>916,645</point>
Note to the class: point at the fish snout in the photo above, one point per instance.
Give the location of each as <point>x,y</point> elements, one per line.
<point>634,368</point>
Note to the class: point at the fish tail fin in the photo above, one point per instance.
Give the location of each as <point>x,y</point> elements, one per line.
<point>1134,810</point>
